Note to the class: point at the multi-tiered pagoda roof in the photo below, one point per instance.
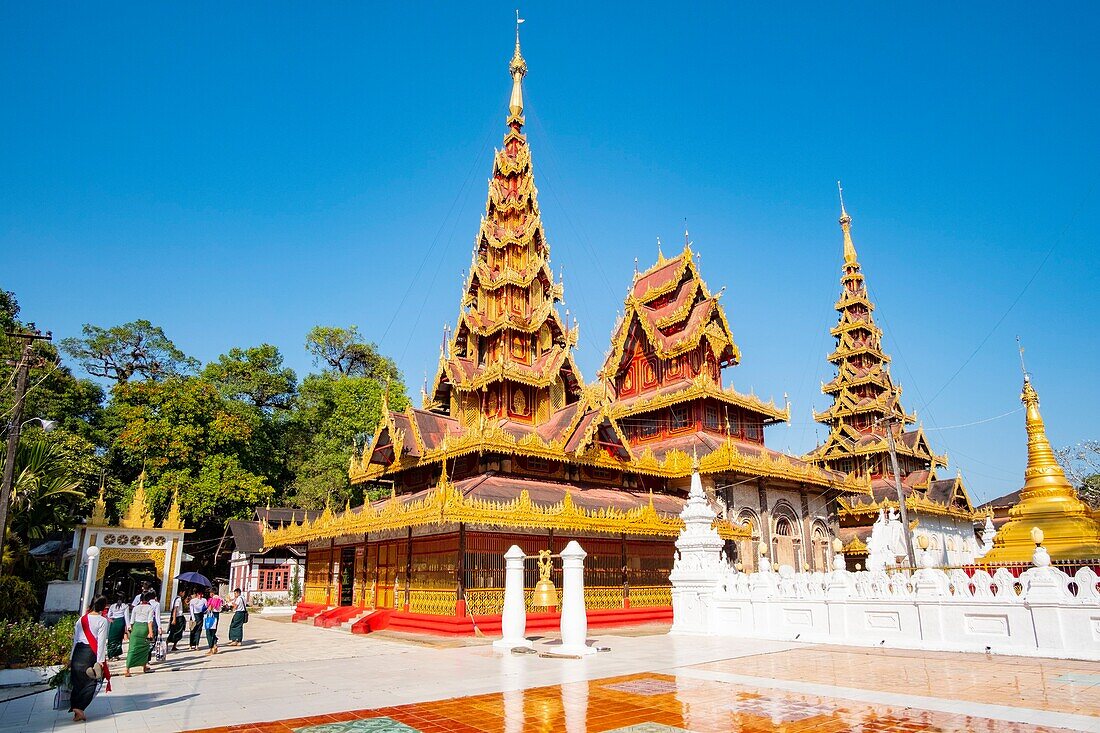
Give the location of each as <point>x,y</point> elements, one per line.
<point>866,404</point>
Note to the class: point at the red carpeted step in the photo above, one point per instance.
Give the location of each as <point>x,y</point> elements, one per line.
<point>336,616</point>
<point>373,621</point>
<point>304,611</point>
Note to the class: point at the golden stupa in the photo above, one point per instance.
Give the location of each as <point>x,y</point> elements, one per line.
<point>1047,501</point>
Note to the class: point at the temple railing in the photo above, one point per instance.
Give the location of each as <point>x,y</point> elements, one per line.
<point>490,601</point>
<point>435,601</point>
<point>650,595</point>
<point>315,594</point>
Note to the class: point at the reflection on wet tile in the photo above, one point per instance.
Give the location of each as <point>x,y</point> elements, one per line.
<point>645,703</point>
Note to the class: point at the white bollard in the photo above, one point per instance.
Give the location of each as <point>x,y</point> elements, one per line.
<point>513,619</point>
<point>92,553</point>
<point>574,618</point>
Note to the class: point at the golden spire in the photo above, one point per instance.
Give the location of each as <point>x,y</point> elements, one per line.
<point>1043,473</point>
<point>137,515</point>
<point>846,227</point>
<point>1047,501</point>
<point>173,519</point>
<point>99,511</point>
<point>518,69</point>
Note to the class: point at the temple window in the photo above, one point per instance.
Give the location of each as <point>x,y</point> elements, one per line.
<point>711,417</point>
<point>678,417</point>
<point>752,430</point>
<point>649,427</point>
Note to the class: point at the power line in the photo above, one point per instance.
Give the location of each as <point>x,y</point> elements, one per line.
<point>1020,295</point>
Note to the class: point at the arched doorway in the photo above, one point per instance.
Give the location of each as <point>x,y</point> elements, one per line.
<point>786,544</point>
<point>747,549</point>
<point>819,548</point>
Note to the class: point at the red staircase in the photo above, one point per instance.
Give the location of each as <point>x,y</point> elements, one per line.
<point>336,616</point>
<point>304,611</point>
<point>373,621</point>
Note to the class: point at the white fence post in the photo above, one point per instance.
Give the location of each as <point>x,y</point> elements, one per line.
<point>513,619</point>
<point>574,618</point>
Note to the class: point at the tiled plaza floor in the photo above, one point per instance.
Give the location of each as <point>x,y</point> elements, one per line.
<point>304,678</point>
<point>642,703</point>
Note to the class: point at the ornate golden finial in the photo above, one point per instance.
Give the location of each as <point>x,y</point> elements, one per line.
<point>443,480</point>
<point>660,254</point>
<point>99,511</point>
<point>846,227</point>
<point>173,519</point>
<point>518,69</point>
<point>1043,472</point>
<point>137,515</point>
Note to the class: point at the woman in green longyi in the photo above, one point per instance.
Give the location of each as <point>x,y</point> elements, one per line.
<point>143,629</point>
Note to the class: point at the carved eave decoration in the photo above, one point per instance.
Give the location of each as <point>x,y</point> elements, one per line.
<point>446,505</point>
<point>700,387</point>
<point>915,502</point>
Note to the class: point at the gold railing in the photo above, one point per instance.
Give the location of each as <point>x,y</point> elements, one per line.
<point>484,601</point>
<point>490,601</point>
<point>603,596</point>
<point>315,594</point>
<point>435,601</point>
<point>650,595</point>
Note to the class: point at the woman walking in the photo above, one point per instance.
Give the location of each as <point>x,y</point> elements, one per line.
<point>177,620</point>
<point>143,628</point>
<point>198,611</point>
<point>88,663</point>
<point>210,623</point>
<point>118,618</point>
<point>240,615</point>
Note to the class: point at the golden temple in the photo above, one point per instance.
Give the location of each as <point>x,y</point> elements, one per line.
<point>511,447</point>
<point>1071,530</point>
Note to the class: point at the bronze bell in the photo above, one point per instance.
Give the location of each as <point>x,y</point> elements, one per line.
<point>545,595</point>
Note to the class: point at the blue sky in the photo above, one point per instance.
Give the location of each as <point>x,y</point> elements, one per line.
<point>240,172</point>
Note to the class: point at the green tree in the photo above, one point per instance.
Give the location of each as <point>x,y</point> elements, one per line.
<point>45,498</point>
<point>220,490</point>
<point>344,352</point>
<point>334,413</point>
<point>133,349</point>
<point>255,376</point>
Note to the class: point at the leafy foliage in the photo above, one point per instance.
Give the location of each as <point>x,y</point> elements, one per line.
<point>17,601</point>
<point>32,644</point>
<point>135,348</point>
<point>345,352</point>
<point>255,376</point>
<point>240,432</point>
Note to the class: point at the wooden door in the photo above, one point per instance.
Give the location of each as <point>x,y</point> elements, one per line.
<point>387,573</point>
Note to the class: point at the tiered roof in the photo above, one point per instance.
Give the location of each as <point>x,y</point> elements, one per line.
<point>867,403</point>
<point>671,312</point>
<point>511,351</point>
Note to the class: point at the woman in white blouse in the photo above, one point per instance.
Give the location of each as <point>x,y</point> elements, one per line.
<point>143,632</point>
<point>118,616</point>
<point>88,662</point>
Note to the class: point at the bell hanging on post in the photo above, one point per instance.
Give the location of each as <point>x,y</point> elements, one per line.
<point>545,595</point>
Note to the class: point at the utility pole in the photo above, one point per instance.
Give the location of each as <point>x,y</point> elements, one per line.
<point>15,423</point>
<point>901,497</point>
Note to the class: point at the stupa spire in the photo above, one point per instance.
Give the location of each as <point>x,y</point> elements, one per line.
<point>518,69</point>
<point>846,227</point>
<point>1047,501</point>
